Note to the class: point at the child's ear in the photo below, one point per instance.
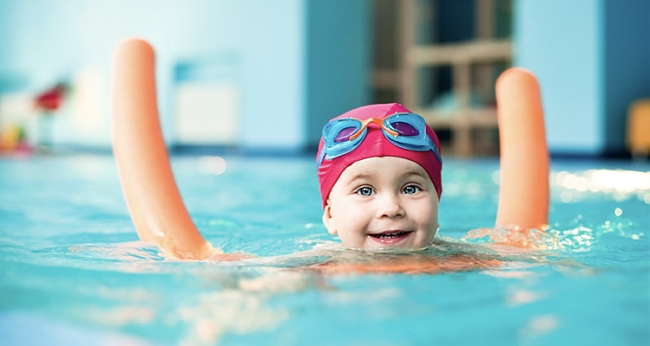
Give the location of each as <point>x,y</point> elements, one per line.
<point>328,220</point>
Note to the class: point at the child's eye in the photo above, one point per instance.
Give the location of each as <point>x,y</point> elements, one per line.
<point>365,191</point>
<point>410,189</point>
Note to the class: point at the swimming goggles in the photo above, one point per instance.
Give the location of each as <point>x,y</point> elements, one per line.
<point>404,130</point>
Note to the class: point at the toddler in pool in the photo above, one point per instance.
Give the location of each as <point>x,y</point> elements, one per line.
<point>379,167</point>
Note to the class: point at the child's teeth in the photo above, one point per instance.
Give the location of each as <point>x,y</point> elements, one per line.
<point>390,235</point>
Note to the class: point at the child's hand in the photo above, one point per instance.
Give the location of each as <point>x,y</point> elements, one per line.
<point>511,236</point>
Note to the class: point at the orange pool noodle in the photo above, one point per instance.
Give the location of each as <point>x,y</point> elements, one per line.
<point>524,190</point>
<point>148,184</point>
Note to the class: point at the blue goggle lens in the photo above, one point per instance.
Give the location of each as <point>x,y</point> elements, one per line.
<point>344,134</point>
<point>404,129</point>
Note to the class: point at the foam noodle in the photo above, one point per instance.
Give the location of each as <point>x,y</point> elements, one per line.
<point>151,194</point>
<point>524,191</point>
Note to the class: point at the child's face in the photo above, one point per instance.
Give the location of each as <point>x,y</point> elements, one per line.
<point>383,202</point>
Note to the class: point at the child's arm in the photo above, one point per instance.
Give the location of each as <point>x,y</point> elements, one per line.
<point>151,194</point>
<point>524,190</point>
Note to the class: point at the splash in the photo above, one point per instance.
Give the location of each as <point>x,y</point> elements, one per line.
<point>573,238</point>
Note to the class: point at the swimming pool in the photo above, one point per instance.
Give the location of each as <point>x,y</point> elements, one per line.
<point>72,269</point>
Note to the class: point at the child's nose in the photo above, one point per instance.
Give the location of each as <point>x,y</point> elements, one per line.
<point>390,206</point>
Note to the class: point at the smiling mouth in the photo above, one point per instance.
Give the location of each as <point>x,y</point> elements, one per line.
<point>390,237</point>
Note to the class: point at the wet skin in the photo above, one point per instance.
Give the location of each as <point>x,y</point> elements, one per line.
<point>383,203</point>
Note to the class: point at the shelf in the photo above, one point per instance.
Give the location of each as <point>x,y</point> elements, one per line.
<point>469,118</point>
<point>462,124</point>
<point>470,52</point>
<point>439,57</point>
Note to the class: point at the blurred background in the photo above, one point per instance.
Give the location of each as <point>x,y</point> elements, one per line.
<point>264,76</point>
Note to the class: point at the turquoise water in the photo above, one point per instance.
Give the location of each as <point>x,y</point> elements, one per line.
<point>73,272</point>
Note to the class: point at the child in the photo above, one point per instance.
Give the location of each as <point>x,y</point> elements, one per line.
<point>379,171</point>
<point>379,167</point>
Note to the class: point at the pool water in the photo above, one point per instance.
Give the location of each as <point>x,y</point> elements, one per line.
<point>72,270</point>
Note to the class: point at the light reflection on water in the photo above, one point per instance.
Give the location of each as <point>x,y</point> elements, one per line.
<point>69,255</point>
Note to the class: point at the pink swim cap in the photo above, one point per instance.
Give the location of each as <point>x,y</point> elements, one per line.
<point>375,144</point>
